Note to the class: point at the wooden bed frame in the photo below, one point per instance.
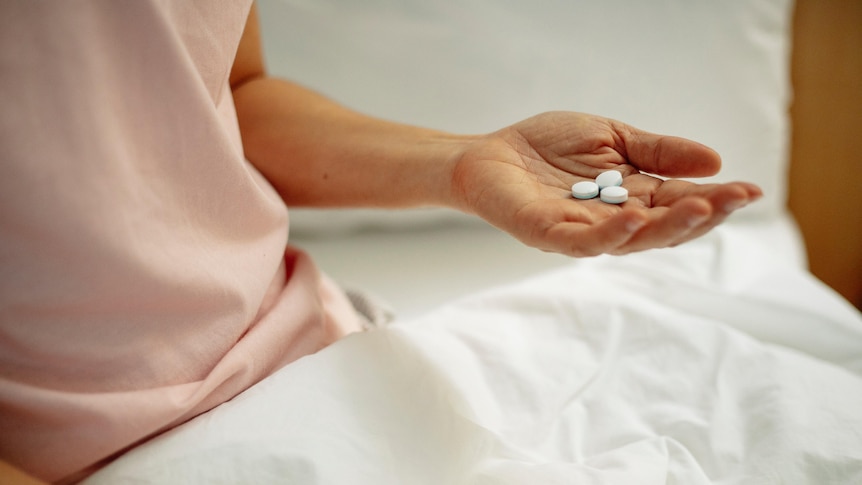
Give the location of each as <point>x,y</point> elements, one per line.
<point>825,180</point>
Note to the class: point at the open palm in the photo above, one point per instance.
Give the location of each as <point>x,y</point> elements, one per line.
<point>519,179</point>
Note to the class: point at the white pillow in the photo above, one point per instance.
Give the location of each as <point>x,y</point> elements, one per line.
<point>716,72</point>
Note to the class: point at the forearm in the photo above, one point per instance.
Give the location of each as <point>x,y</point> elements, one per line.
<point>319,153</point>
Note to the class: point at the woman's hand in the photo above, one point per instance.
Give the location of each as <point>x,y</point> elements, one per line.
<point>519,179</point>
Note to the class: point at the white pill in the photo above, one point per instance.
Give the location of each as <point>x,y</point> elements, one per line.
<point>610,178</point>
<point>614,195</point>
<point>585,190</point>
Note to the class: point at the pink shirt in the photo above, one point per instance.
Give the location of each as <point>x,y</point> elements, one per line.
<point>146,276</point>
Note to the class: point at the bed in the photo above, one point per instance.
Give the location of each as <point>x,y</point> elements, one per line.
<point>724,360</point>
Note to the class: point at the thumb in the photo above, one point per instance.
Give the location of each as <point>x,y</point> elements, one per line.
<point>669,156</point>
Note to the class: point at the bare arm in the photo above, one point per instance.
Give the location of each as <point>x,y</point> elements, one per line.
<point>319,153</point>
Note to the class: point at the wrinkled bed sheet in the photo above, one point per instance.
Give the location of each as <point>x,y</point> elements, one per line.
<point>713,362</point>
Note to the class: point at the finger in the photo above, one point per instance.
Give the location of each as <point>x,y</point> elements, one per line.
<point>581,239</point>
<point>699,230</point>
<point>669,156</point>
<point>670,225</point>
<point>722,197</point>
<point>723,206</point>
<point>745,193</point>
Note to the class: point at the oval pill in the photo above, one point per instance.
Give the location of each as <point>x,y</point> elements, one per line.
<point>610,178</point>
<point>614,195</point>
<point>585,190</point>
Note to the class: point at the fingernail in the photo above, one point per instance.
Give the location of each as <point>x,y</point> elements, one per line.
<point>635,226</point>
<point>697,220</point>
<point>735,205</point>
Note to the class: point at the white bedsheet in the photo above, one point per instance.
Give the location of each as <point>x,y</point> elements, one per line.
<point>714,362</point>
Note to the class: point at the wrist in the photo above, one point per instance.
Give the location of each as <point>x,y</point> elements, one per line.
<point>439,157</point>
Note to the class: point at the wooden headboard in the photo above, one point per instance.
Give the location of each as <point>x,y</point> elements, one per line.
<point>825,186</point>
